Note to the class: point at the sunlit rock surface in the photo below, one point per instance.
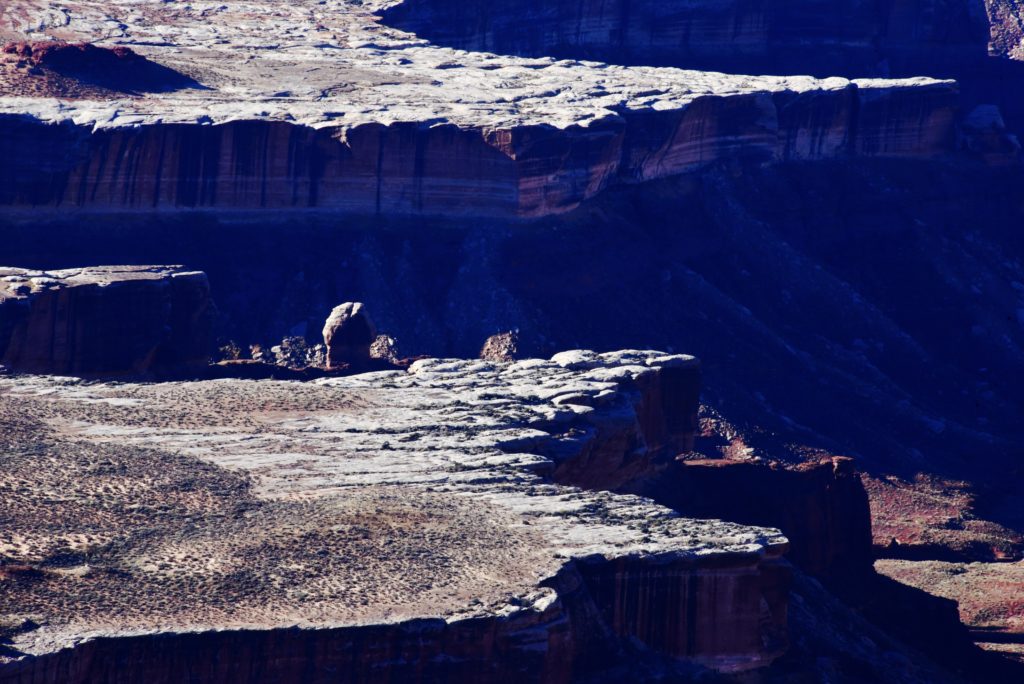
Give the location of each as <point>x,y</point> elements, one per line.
<point>411,512</point>
<point>319,105</point>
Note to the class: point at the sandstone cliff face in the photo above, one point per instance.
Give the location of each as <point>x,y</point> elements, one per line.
<point>824,37</point>
<point>529,170</point>
<point>529,645</point>
<point>105,321</point>
<point>727,615</point>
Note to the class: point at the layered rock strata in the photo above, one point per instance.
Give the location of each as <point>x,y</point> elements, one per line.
<point>348,115</point>
<point>397,525</point>
<point>104,321</point>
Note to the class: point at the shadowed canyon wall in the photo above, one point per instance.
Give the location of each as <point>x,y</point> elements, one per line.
<point>823,37</point>
<point>729,615</point>
<point>118,321</point>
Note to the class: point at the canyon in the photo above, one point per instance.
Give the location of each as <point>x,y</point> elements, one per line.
<point>820,201</point>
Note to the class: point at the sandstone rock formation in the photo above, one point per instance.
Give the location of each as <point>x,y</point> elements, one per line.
<point>352,116</point>
<point>374,528</point>
<point>349,333</point>
<point>105,321</point>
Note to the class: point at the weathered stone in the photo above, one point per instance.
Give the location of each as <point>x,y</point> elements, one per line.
<point>501,347</point>
<point>348,333</point>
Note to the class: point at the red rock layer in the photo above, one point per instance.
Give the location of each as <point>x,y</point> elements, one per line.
<point>420,170</point>
<point>729,614</point>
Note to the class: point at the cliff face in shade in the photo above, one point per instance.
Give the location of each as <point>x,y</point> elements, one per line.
<point>529,170</point>
<point>823,37</point>
<point>822,507</point>
<point>436,548</point>
<point>103,321</point>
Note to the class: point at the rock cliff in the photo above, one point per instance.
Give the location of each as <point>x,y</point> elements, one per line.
<point>822,507</point>
<point>397,525</point>
<point>104,321</point>
<point>352,116</point>
<point>410,168</point>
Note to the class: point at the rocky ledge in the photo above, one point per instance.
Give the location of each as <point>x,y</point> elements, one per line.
<point>105,321</point>
<point>317,104</point>
<point>381,527</point>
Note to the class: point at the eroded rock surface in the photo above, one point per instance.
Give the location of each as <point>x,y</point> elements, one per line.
<point>105,320</point>
<point>403,521</point>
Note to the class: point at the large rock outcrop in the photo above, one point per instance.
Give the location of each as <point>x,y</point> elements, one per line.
<point>405,521</point>
<point>105,321</point>
<point>427,130</point>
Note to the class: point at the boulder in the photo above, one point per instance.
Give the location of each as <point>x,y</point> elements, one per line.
<point>501,347</point>
<point>348,334</point>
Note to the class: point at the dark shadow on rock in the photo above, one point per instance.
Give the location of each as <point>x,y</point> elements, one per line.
<point>119,68</point>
